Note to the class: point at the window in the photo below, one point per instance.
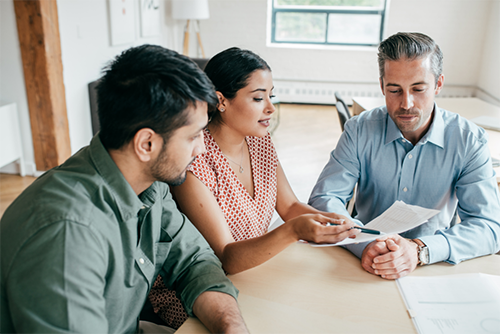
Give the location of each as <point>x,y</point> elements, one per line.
<point>328,22</point>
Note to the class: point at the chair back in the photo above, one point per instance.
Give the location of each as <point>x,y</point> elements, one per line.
<point>93,106</point>
<point>342,110</point>
<point>201,62</point>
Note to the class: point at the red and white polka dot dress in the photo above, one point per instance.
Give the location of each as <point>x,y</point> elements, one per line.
<point>247,217</point>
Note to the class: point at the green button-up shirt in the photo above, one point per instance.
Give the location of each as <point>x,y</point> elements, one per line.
<point>80,250</point>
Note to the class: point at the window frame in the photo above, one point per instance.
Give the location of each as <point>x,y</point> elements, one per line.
<point>382,11</point>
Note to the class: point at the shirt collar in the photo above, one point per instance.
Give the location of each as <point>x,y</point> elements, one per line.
<point>126,199</point>
<point>392,132</point>
<point>435,134</point>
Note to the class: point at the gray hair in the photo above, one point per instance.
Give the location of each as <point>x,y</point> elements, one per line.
<point>410,45</point>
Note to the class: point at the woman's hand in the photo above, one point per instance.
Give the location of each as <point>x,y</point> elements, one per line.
<point>336,216</point>
<point>314,227</point>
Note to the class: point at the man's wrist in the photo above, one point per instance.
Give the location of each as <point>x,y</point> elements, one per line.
<point>422,252</point>
<point>416,249</point>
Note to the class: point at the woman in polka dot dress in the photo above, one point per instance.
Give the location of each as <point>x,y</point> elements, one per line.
<point>232,190</point>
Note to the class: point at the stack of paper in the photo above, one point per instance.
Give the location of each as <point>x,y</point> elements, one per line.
<point>400,217</point>
<point>454,304</point>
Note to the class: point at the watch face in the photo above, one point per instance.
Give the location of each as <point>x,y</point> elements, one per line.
<point>424,255</point>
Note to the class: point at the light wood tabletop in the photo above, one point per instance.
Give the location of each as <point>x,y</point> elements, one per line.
<point>467,107</point>
<point>324,290</point>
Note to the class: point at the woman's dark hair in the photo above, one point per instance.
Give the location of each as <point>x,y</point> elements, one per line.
<point>230,69</point>
<point>149,87</point>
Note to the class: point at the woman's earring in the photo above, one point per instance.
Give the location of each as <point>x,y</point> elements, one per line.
<point>222,109</point>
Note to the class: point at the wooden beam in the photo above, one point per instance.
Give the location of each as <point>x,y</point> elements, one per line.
<point>38,31</point>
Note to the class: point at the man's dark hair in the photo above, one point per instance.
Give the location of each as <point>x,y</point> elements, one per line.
<point>230,69</point>
<point>149,87</point>
<point>410,45</point>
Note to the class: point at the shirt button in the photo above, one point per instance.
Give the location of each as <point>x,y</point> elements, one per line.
<point>141,260</point>
<point>404,141</point>
<point>405,189</point>
<point>410,156</point>
<point>143,207</point>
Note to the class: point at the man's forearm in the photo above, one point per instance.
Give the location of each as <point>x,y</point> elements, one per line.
<point>219,312</point>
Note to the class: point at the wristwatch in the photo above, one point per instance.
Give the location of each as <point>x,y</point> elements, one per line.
<point>423,252</point>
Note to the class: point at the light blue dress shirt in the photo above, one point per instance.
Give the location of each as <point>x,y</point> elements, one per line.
<point>449,167</point>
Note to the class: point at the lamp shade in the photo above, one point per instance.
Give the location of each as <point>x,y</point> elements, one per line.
<point>190,9</point>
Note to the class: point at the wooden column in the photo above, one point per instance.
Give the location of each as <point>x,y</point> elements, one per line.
<point>38,31</point>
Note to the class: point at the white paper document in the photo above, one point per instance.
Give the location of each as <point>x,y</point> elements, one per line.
<point>454,304</point>
<point>400,217</point>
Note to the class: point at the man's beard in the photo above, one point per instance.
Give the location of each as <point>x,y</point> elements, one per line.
<point>177,181</point>
<point>162,169</point>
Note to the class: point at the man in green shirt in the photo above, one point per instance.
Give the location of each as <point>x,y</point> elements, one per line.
<point>82,246</point>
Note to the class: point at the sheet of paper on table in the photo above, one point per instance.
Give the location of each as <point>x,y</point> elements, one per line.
<point>454,304</point>
<point>400,217</point>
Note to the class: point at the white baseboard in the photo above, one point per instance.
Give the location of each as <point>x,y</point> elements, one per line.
<point>14,168</point>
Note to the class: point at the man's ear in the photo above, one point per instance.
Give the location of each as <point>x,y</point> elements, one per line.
<point>439,84</point>
<point>381,80</point>
<point>147,144</point>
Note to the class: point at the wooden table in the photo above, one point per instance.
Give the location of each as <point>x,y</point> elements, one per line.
<point>467,107</point>
<point>324,290</point>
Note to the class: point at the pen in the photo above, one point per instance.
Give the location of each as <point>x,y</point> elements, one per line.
<point>363,230</point>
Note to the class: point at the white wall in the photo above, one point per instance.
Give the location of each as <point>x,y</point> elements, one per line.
<point>489,76</point>
<point>458,26</point>
<point>12,87</point>
<point>86,48</point>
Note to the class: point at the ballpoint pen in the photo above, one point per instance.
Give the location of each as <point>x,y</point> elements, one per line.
<point>363,230</point>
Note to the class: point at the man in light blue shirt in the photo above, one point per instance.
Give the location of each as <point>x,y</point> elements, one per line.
<point>413,151</point>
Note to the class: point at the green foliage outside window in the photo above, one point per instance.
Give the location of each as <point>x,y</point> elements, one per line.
<point>301,27</point>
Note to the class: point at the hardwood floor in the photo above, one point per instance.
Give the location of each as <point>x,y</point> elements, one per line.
<point>304,139</point>
<point>305,136</point>
<point>10,187</point>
